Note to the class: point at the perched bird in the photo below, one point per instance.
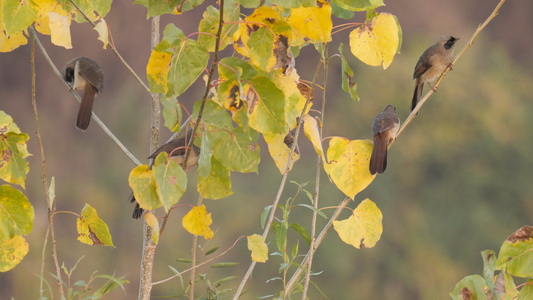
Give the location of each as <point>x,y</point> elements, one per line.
<point>431,64</point>
<point>84,74</point>
<point>384,129</point>
<point>176,148</point>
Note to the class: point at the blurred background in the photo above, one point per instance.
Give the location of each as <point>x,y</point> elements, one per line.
<point>458,180</point>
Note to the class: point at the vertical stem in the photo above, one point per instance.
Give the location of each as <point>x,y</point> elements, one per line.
<point>149,246</point>
<point>312,246</point>
<point>41,151</point>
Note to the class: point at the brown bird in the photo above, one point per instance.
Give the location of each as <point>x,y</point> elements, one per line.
<point>176,149</point>
<point>431,64</point>
<point>84,74</point>
<point>384,129</point>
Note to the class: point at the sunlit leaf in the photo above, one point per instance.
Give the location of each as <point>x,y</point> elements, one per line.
<point>16,213</point>
<point>312,132</point>
<point>197,222</point>
<point>363,228</point>
<point>313,22</point>
<point>348,163</point>
<point>279,151</point>
<point>60,30</point>
<point>256,244</point>
<point>377,42</point>
<point>358,5</point>
<point>103,34</point>
<point>11,42</point>
<point>91,229</point>
<point>158,67</point>
<point>12,251</point>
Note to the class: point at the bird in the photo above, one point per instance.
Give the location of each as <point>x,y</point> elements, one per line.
<point>431,64</point>
<point>384,129</point>
<point>84,74</point>
<point>176,148</point>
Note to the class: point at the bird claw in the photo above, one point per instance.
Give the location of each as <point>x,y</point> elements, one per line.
<point>433,88</point>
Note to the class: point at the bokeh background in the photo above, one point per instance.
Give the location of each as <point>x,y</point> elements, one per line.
<point>459,179</point>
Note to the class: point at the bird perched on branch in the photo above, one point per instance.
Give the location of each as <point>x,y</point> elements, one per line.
<point>84,74</point>
<point>384,129</point>
<point>176,148</point>
<point>431,64</point>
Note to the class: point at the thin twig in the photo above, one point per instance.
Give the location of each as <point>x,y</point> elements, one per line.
<point>146,87</point>
<point>33,34</point>
<point>282,184</point>
<point>431,91</point>
<point>199,265</point>
<point>45,186</point>
<point>312,247</point>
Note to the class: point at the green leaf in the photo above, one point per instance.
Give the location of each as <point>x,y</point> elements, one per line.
<point>472,285</point>
<point>358,5</point>
<point>12,251</point>
<point>16,213</point>
<point>261,44</point>
<point>188,63</point>
<point>516,253</point>
<point>224,265</point>
<point>13,153</point>
<point>348,85</point>
<point>264,215</point>
<point>266,106</point>
<point>171,180</point>
<point>210,21</point>
<point>171,112</point>
<point>110,285</point>
<point>489,265</point>
<point>302,232</point>
<point>249,3</point>
<point>527,291</point>
<point>237,151</point>
<point>318,211</point>
<point>295,3</point>
<point>173,35</point>
<point>340,12</point>
<point>17,15</point>
<point>157,8</point>
<point>216,121</point>
<point>217,184</point>
<point>91,229</point>
<point>95,10</point>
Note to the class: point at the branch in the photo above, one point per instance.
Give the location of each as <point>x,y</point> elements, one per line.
<point>282,184</point>
<point>50,206</point>
<point>114,49</point>
<point>470,43</point>
<point>33,35</point>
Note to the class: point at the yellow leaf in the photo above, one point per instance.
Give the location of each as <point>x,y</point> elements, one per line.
<point>11,42</point>
<point>151,221</point>
<point>144,187</point>
<point>91,229</point>
<point>348,163</point>
<point>12,251</point>
<point>363,228</point>
<point>197,222</point>
<point>313,22</point>
<point>157,70</point>
<point>42,23</point>
<point>252,23</point>
<point>280,151</point>
<point>313,134</point>
<point>60,30</point>
<point>256,244</point>
<point>101,28</point>
<point>377,41</point>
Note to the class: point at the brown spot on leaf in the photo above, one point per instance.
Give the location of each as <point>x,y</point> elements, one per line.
<point>465,294</point>
<point>521,235</point>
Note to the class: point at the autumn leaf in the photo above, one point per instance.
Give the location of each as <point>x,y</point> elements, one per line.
<point>101,28</point>
<point>348,163</point>
<point>313,22</point>
<point>16,213</point>
<point>60,30</point>
<point>279,151</point>
<point>170,179</point>
<point>312,132</point>
<point>217,184</point>
<point>197,222</point>
<point>12,251</point>
<point>376,42</point>
<point>91,229</point>
<point>256,244</point>
<point>363,228</point>
<point>152,221</point>
<point>144,188</point>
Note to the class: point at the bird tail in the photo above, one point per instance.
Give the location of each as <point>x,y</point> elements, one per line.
<point>378,160</point>
<point>86,107</point>
<point>137,211</point>
<point>417,94</point>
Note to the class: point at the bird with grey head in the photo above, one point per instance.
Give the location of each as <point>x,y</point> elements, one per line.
<point>431,64</point>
